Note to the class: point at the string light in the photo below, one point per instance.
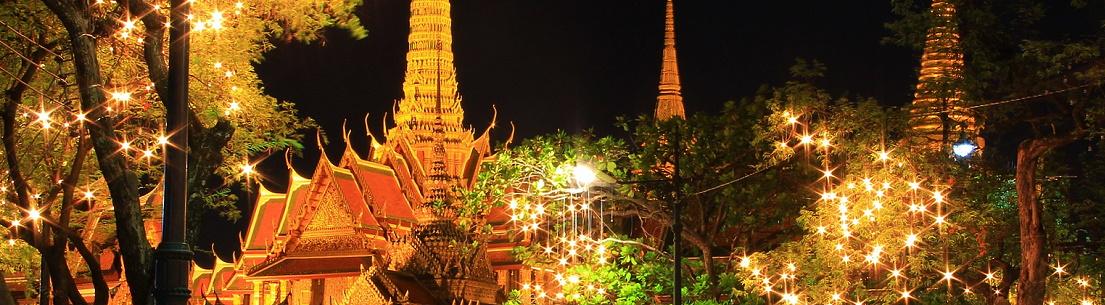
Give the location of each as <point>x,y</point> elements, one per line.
<point>121,96</point>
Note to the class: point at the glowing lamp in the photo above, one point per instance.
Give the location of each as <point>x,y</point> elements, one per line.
<point>584,175</point>
<point>964,148</point>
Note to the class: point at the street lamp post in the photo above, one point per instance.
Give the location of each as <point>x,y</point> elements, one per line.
<point>677,223</point>
<point>174,258</point>
<point>584,175</point>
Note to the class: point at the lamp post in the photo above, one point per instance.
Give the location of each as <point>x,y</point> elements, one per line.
<point>174,257</point>
<point>585,175</point>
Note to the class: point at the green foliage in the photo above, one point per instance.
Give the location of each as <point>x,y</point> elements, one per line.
<point>228,38</point>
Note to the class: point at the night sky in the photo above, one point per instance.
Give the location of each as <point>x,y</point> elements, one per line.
<point>578,64</point>
<point>575,65</point>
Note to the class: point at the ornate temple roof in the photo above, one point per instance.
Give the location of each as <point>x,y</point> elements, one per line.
<point>370,219</point>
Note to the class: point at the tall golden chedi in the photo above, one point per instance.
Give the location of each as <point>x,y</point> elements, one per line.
<point>669,103</point>
<point>430,116</point>
<point>938,113</point>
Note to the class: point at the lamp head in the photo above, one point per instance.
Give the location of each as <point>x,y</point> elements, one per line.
<point>584,175</point>
<point>964,148</point>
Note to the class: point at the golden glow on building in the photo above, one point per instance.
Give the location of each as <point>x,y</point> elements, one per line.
<point>938,113</point>
<point>430,113</point>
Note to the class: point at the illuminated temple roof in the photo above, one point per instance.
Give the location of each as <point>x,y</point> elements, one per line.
<point>370,219</point>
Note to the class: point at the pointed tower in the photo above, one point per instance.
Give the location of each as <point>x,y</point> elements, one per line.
<point>938,114</point>
<point>669,103</point>
<point>430,116</point>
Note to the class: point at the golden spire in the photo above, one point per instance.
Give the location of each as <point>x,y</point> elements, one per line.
<point>938,113</point>
<point>430,114</point>
<point>669,103</point>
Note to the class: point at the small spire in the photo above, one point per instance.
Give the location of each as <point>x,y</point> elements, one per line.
<point>669,103</point>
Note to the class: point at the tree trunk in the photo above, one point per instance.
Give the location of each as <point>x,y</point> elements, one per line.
<point>122,183</point>
<point>711,274</point>
<point>1033,276</point>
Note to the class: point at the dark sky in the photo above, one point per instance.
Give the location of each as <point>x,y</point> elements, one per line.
<point>578,64</point>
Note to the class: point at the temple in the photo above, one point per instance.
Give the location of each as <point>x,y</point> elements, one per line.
<point>938,113</point>
<point>669,104</point>
<point>378,227</point>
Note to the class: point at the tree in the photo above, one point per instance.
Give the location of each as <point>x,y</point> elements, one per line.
<point>89,78</point>
<point>1048,85</point>
<point>614,233</point>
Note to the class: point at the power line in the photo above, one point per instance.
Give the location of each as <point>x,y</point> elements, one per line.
<point>17,32</point>
<point>16,78</point>
<point>733,181</point>
<point>1014,100</point>
<point>31,61</point>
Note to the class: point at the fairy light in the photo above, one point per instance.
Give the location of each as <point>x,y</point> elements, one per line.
<point>121,96</point>
<point>216,21</point>
<point>44,118</point>
<point>246,169</point>
<point>34,214</point>
<point>162,140</point>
